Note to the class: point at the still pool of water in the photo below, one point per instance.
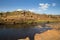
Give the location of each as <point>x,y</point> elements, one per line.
<point>17,33</point>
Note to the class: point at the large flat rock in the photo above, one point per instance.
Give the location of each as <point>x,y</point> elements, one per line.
<point>48,35</point>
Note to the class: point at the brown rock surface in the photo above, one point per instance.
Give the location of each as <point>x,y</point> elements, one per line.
<point>27,38</point>
<point>48,35</point>
<point>54,25</point>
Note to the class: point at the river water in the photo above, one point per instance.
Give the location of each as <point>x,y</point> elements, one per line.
<point>18,33</point>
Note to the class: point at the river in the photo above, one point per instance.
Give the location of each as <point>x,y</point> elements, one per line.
<point>18,33</point>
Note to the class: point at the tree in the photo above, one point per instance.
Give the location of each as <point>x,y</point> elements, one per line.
<point>1,14</point>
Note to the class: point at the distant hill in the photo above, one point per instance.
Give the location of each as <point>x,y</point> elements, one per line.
<point>27,17</point>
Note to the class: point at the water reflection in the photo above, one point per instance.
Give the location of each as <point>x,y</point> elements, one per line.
<point>17,33</point>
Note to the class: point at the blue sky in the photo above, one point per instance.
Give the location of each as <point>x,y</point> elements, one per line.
<point>39,6</point>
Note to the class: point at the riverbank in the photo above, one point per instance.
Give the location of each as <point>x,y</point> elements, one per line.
<point>54,25</point>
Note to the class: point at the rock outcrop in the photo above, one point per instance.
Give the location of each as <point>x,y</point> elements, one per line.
<point>48,35</point>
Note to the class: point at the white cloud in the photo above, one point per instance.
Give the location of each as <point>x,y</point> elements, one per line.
<point>44,6</point>
<point>32,10</point>
<point>19,10</point>
<point>53,4</point>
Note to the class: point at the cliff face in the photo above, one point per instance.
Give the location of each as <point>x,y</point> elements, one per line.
<point>27,16</point>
